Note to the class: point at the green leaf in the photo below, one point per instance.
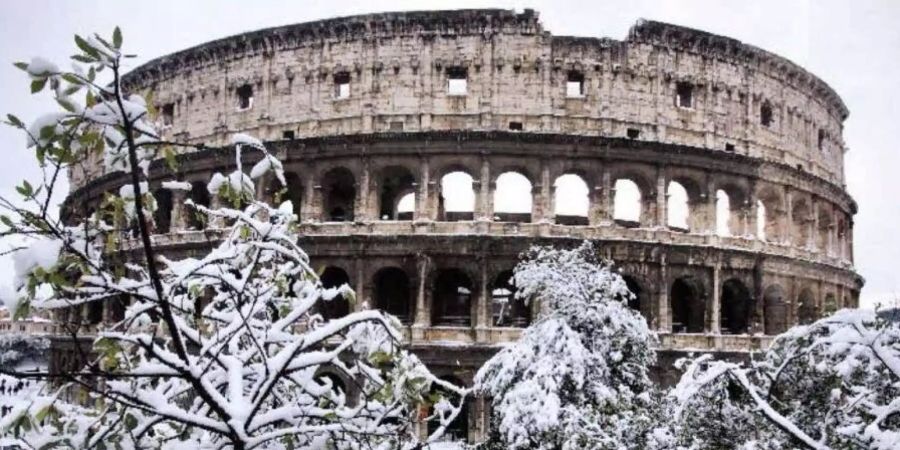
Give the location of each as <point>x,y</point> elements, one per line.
<point>130,422</point>
<point>71,78</point>
<point>15,121</point>
<point>83,59</point>
<point>7,221</point>
<point>65,104</point>
<point>171,161</point>
<point>21,65</point>
<point>117,38</point>
<point>85,47</point>
<point>38,85</point>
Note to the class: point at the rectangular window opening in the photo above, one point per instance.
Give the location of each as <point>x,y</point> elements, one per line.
<point>288,135</point>
<point>342,85</point>
<point>684,95</point>
<point>632,133</point>
<point>515,126</point>
<point>765,114</point>
<point>729,147</point>
<point>396,125</point>
<point>245,97</point>
<point>457,80</point>
<point>821,139</point>
<point>168,114</point>
<point>575,84</point>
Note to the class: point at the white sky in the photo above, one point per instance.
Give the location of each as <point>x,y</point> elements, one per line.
<point>853,45</point>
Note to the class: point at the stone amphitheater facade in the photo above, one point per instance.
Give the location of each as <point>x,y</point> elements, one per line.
<point>364,110</point>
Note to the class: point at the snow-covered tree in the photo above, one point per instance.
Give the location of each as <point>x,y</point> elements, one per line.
<point>578,378</point>
<point>225,350</point>
<point>834,384</point>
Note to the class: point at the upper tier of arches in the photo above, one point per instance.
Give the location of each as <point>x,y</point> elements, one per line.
<point>496,70</point>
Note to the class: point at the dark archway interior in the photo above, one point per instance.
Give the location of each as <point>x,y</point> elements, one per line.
<point>688,307</point>
<point>95,312</point>
<point>507,310</point>
<point>636,300</point>
<point>452,299</point>
<point>775,310</point>
<point>392,293</point>
<point>162,217</point>
<point>395,183</point>
<point>339,191</point>
<point>458,429</point>
<point>337,307</point>
<point>200,196</point>
<point>806,312</point>
<point>736,307</point>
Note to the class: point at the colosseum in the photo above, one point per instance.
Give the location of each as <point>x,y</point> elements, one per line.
<point>372,115</point>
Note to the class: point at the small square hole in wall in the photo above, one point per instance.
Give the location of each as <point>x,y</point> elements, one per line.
<point>765,114</point>
<point>800,167</point>
<point>515,126</point>
<point>575,84</point>
<point>288,135</point>
<point>457,80</point>
<point>729,147</point>
<point>342,85</point>
<point>632,133</point>
<point>396,125</point>
<point>684,95</point>
<point>168,114</point>
<point>245,97</point>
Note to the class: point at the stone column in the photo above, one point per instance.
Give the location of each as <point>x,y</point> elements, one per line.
<point>812,225</point>
<point>362,297</point>
<point>313,201</point>
<point>601,201</point>
<point>542,204</point>
<point>710,218</point>
<point>661,199</point>
<point>484,200</point>
<point>715,319</point>
<point>787,235</point>
<point>662,307</point>
<point>482,306</point>
<point>180,212</point>
<point>365,209</point>
<point>752,211</point>
<point>423,312</point>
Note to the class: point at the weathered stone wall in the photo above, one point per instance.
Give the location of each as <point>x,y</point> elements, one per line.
<point>398,65</point>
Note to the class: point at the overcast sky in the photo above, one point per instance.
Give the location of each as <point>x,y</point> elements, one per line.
<point>853,45</point>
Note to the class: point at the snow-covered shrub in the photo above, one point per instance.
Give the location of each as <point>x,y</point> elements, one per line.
<point>579,376</point>
<point>832,384</point>
<point>222,350</point>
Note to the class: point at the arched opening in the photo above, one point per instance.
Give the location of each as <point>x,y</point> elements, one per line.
<point>823,236</point>
<point>800,213</point>
<point>736,307</point>
<point>339,195</point>
<point>396,185</point>
<point>458,428</point>
<point>627,203</point>
<point>162,216</point>
<point>94,312</point>
<point>200,196</point>
<point>677,210</point>
<point>452,298</point>
<point>767,215</point>
<point>775,310</point>
<point>723,213</point>
<point>293,191</point>
<point>457,197</point>
<point>806,308</point>
<point>688,306</point>
<point>512,198</point>
<point>570,201</point>
<point>507,309</point>
<point>636,301</point>
<point>392,293</point>
<point>337,307</point>
<point>830,305</point>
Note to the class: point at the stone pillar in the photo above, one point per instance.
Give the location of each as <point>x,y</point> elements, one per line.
<point>601,200</point>
<point>787,234</point>
<point>423,194</point>
<point>311,210</point>
<point>662,197</point>
<point>362,297</point>
<point>710,218</point>
<point>481,310</point>
<point>484,198</point>
<point>715,319</point>
<point>215,202</point>
<point>752,211</point>
<point>180,212</point>
<point>423,312</point>
<point>814,230</point>
<point>542,204</point>
<point>365,209</point>
<point>664,318</point>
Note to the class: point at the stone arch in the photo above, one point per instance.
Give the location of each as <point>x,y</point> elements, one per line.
<point>338,195</point>
<point>393,293</point>
<point>162,216</point>
<point>678,208</point>
<point>806,307</point>
<point>775,310</point>
<point>293,191</point>
<point>769,214</point>
<point>200,196</point>
<point>457,196</point>
<point>452,296</point>
<point>627,202</point>
<point>736,307</point>
<point>513,199</point>
<point>571,199</point>
<point>801,215</point>
<point>508,310</point>
<point>687,305</point>
<point>823,235</point>
<point>637,302</point>
<point>395,183</point>
<point>458,429</point>
<point>334,277</point>
<point>734,219</point>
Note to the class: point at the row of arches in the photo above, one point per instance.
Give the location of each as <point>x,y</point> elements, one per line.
<point>452,292</point>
